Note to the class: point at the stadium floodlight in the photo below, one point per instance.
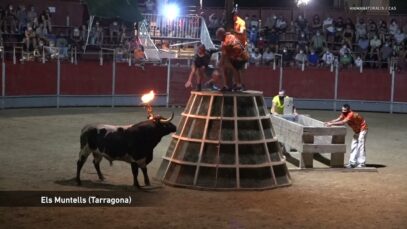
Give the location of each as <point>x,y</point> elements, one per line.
<point>171,11</point>
<point>302,2</point>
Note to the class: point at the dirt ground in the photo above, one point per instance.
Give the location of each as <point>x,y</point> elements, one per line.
<point>39,149</point>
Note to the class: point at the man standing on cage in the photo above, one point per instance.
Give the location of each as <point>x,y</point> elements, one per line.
<point>234,58</point>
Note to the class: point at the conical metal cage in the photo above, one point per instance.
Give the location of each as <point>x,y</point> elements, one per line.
<point>225,141</point>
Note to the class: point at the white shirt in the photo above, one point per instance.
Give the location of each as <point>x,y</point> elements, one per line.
<point>358,62</point>
<point>375,43</point>
<point>267,56</point>
<point>399,37</point>
<point>328,58</point>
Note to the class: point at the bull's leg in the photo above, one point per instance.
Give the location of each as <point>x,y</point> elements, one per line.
<point>83,155</point>
<point>134,169</point>
<point>96,162</point>
<point>146,179</point>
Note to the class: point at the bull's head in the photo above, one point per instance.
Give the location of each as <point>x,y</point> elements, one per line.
<point>165,123</point>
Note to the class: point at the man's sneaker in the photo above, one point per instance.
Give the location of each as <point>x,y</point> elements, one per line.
<point>211,86</point>
<point>350,166</point>
<point>238,88</point>
<point>361,166</point>
<point>224,88</point>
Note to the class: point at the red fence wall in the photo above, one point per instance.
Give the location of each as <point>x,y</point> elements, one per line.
<point>373,84</point>
<point>132,80</point>
<point>88,78</point>
<point>31,79</point>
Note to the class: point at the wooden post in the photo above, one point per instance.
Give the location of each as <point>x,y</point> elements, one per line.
<point>307,158</point>
<point>337,158</point>
<point>229,4</point>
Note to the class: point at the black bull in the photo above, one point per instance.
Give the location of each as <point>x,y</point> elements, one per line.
<point>133,144</point>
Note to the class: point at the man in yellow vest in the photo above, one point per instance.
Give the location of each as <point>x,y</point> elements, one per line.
<point>277,107</point>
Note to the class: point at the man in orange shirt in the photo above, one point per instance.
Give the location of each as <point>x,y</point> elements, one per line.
<point>358,124</point>
<point>234,57</point>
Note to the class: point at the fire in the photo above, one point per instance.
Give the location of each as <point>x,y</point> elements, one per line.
<point>147,98</point>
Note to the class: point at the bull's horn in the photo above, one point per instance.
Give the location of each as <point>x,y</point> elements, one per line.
<point>168,119</point>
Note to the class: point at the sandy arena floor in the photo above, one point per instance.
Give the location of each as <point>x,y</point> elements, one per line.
<point>39,149</point>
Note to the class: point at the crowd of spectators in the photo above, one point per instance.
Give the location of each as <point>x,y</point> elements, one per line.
<point>301,42</point>
<point>35,33</point>
<point>319,42</point>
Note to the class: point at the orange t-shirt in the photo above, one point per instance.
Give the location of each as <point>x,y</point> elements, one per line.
<point>233,48</point>
<point>355,121</point>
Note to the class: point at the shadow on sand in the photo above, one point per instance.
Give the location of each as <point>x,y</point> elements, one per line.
<point>103,185</point>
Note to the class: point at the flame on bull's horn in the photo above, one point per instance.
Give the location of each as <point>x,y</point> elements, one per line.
<point>146,98</point>
<point>168,119</point>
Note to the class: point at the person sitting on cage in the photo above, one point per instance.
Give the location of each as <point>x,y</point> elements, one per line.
<point>233,59</point>
<point>201,68</point>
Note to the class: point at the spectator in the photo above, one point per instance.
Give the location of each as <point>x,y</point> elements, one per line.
<point>345,57</point>
<point>281,24</point>
<point>84,33</point>
<point>329,27</point>
<point>349,22</point>
<point>31,15</point>
<point>404,28</point>
<point>274,38</point>
<point>301,24</point>
<point>393,27</point>
<point>98,35</point>
<point>386,52</point>
<point>361,28</point>
<point>114,32</point>
<point>30,39</point>
<point>62,44</point>
<point>261,44</point>
<point>313,58</point>
<point>372,29</point>
<point>399,37</point>
<point>340,28</point>
<point>213,24</point>
<point>327,58</point>
<point>348,35</point>
<point>52,51</point>
<point>302,42</point>
<point>375,43</point>
<point>255,57</point>
<point>318,42</point>
<point>363,46</point>
<point>150,6</point>
<point>254,22</point>
<point>316,24</point>
<point>10,20</point>
<point>253,35</point>
<point>22,19</point>
<point>382,30</point>
<point>358,62</point>
<point>300,59</point>
<point>268,56</point>
<point>76,37</point>
<point>2,18</point>
<point>123,33</point>
<point>48,21</point>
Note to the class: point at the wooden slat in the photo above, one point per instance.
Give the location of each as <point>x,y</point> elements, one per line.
<point>322,131</point>
<point>312,148</point>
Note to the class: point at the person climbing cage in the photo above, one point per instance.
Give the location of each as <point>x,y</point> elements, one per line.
<point>200,68</point>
